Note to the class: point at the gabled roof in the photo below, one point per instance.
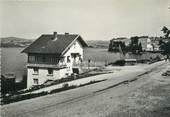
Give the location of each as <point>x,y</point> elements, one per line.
<point>47,44</point>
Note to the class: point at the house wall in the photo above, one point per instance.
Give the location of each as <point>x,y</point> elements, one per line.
<point>149,45</point>
<point>43,75</point>
<point>146,44</point>
<point>75,48</point>
<point>143,42</point>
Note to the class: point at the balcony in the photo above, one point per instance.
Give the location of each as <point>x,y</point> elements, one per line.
<point>76,64</point>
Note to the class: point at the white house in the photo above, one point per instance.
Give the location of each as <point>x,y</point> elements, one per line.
<point>146,43</point>
<point>53,57</point>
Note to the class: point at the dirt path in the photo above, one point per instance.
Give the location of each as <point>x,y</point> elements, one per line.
<point>150,93</point>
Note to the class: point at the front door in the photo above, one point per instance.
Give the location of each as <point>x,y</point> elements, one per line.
<point>76,70</point>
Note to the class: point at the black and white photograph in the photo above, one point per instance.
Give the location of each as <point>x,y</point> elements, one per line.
<point>85,58</point>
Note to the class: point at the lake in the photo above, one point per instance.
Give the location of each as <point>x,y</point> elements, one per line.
<point>13,61</point>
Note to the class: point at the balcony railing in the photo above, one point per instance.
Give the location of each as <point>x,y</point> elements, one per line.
<point>43,62</point>
<point>77,64</point>
<point>46,65</point>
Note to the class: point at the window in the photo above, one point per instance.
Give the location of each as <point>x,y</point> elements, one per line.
<point>44,59</point>
<point>31,58</point>
<point>68,69</point>
<point>68,59</point>
<point>66,74</point>
<point>35,81</point>
<point>50,71</point>
<point>35,70</point>
<point>62,60</point>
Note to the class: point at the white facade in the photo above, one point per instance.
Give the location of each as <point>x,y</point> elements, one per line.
<point>146,43</point>
<point>39,73</point>
<point>149,45</point>
<point>74,49</point>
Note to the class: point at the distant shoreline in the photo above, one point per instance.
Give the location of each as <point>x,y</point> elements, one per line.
<point>13,46</point>
<point>15,42</point>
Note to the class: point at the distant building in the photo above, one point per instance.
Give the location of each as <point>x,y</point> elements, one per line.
<point>139,44</point>
<point>146,43</point>
<point>134,44</point>
<point>54,56</point>
<point>116,43</point>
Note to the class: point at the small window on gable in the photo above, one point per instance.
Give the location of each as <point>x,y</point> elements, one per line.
<point>50,71</point>
<point>31,58</point>
<point>36,71</point>
<point>68,59</point>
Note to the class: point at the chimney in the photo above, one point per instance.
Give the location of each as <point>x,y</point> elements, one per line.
<point>66,33</point>
<point>54,38</point>
<point>55,34</point>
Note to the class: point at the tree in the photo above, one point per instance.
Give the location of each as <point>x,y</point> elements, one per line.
<point>166,32</point>
<point>165,42</point>
<point>140,47</point>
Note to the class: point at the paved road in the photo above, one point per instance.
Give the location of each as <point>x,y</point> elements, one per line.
<point>148,93</point>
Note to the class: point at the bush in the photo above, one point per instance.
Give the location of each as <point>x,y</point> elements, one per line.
<point>16,98</point>
<point>65,85</point>
<point>119,63</point>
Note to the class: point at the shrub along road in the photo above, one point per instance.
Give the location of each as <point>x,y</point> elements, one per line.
<point>142,92</point>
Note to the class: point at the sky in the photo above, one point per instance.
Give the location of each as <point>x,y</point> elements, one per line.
<point>92,19</point>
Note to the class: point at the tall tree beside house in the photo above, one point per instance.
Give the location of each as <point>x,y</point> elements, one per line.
<point>140,47</point>
<point>166,32</point>
<point>165,42</point>
<point>110,46</point>
<point>123,46</point>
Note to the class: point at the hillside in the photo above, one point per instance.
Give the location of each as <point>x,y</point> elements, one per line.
<point>98,43</point>
<point>15,42</point>
<point>21,42</point>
